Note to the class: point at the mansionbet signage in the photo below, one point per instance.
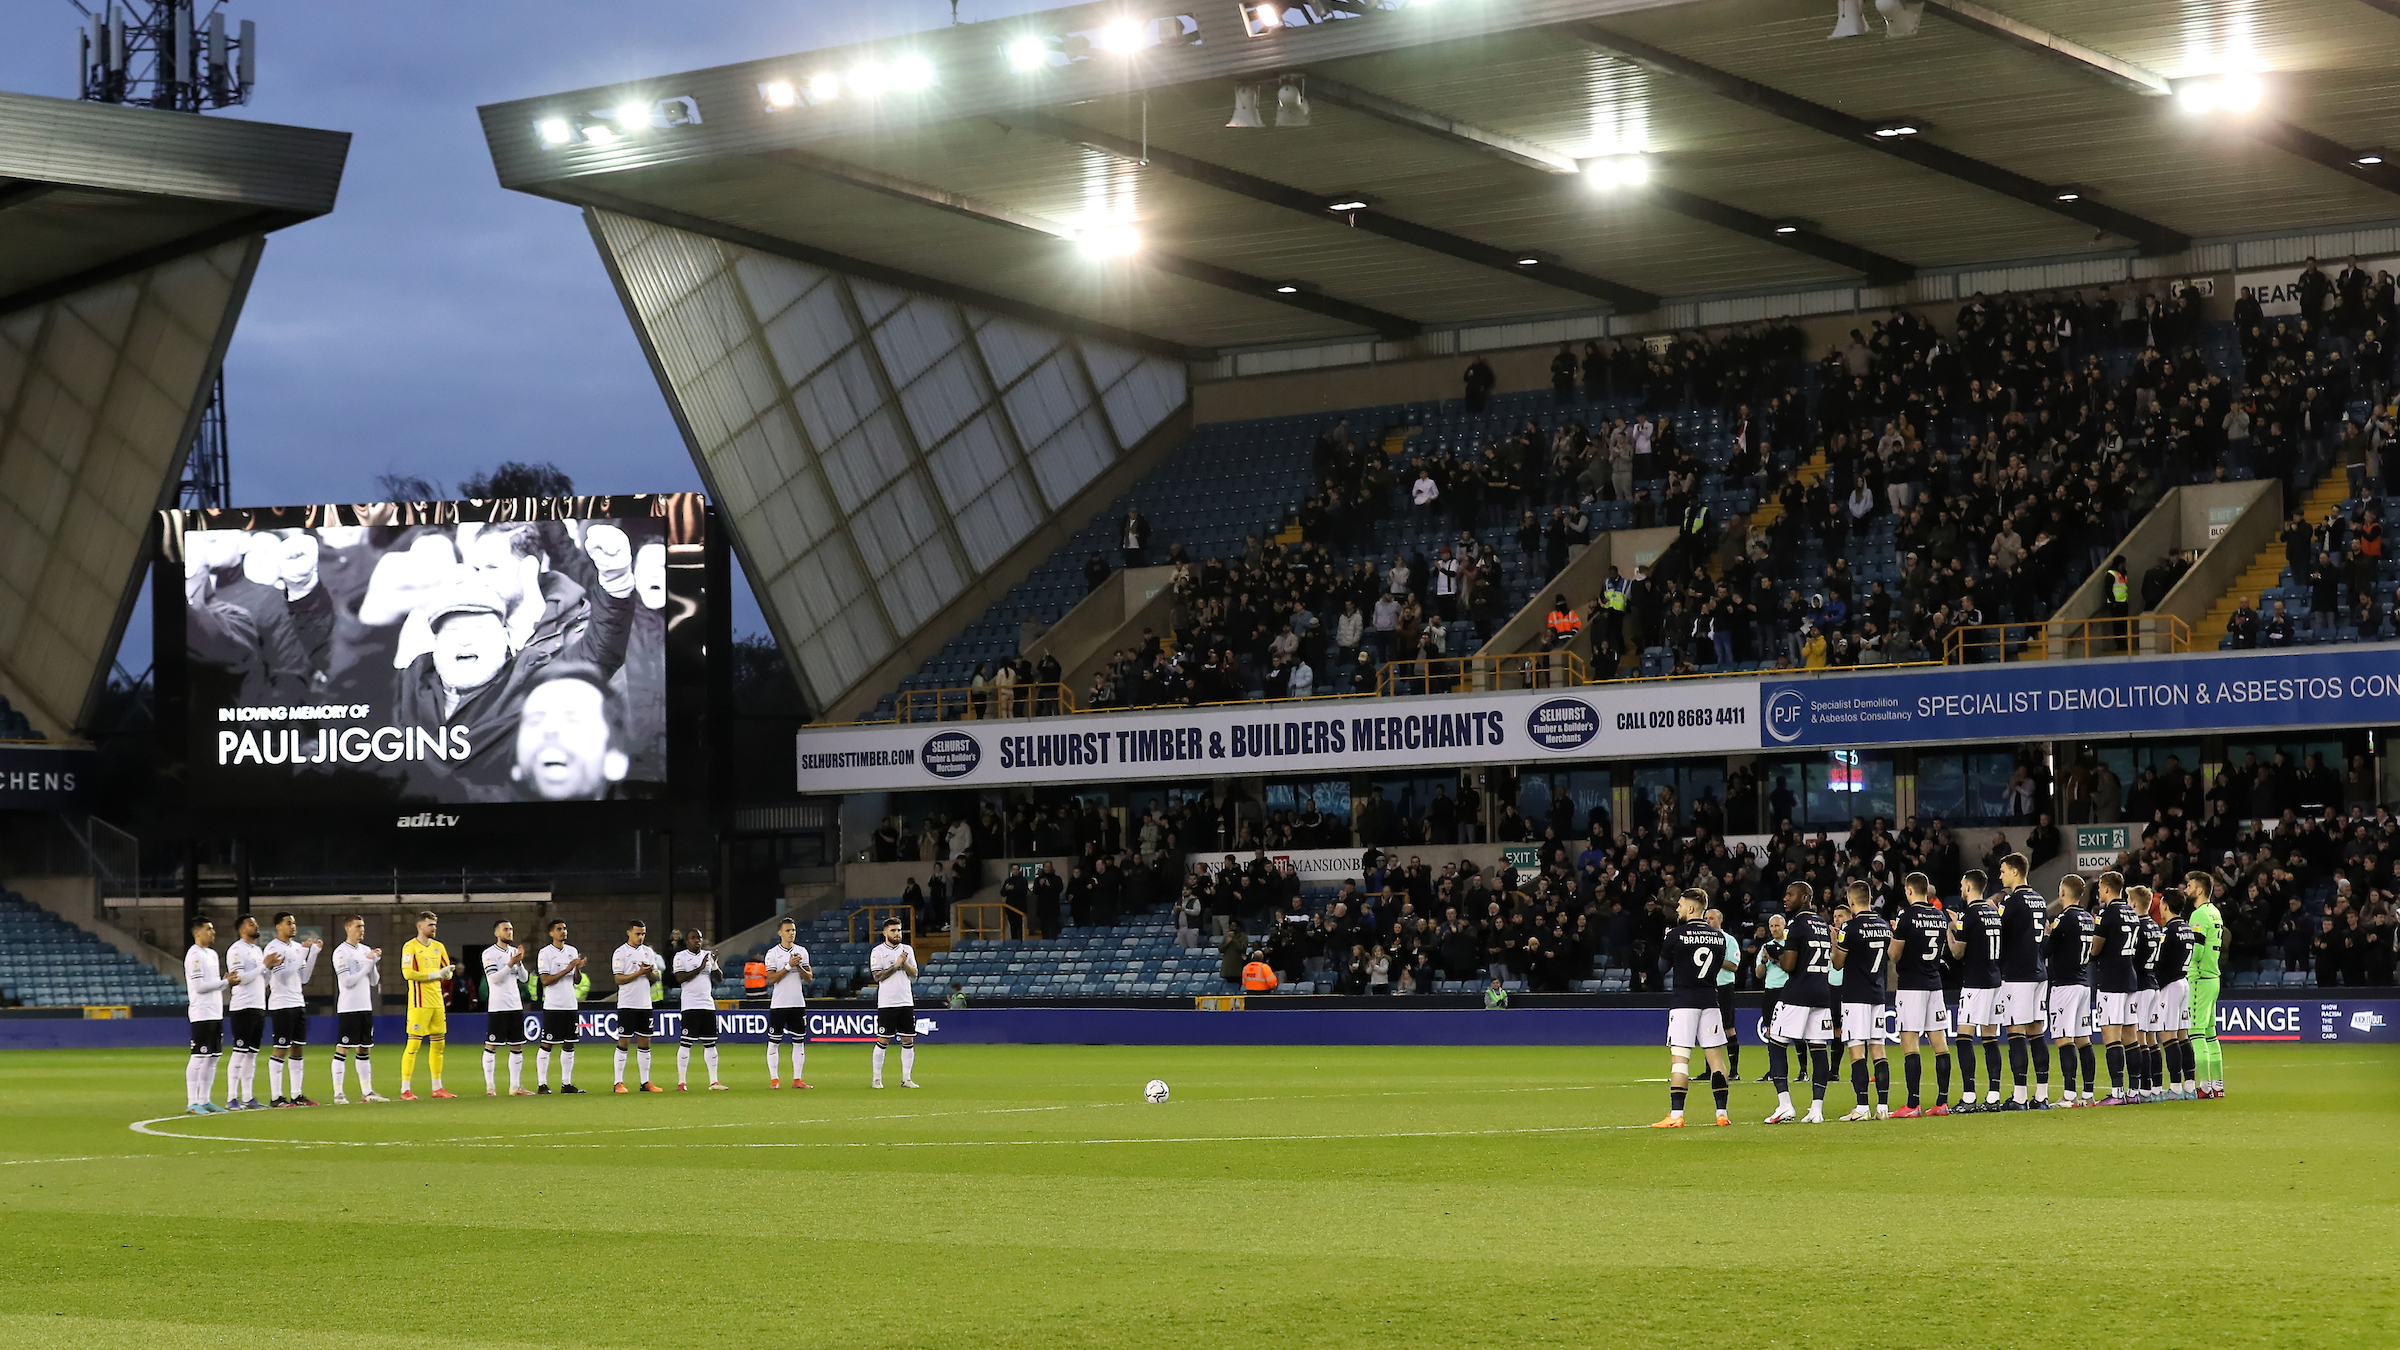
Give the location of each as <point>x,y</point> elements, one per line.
<point>1309,736</point>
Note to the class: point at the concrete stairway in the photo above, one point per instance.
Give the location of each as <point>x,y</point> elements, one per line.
<point>2266,567</point>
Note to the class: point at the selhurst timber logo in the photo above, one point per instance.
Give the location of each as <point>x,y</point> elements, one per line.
<point>427,820</point>
<point>952,754</point>
<point>1563,724</point>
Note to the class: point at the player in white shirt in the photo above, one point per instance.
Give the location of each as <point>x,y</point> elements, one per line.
<point>636,968</point>
<point>246,967</point>
<point>204,984</point>
<point>694,966</point>
<point>893,964</point>
<point>788,973</point>
<point>291,963</point>
<point>558,968</point>
<point>504,1010</point>
<point>358,985</point>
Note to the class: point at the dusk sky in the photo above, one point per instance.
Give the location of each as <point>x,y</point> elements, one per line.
<point>435,324</point>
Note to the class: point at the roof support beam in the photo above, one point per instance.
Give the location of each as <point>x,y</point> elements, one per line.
<point>2152,237</point>
<point>993,213</point>
<point>2284,136</point>
<point>1528,154</point>
<point>18,191</point>
<point>1626,299</point>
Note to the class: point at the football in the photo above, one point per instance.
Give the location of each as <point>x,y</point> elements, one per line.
<point>1156,1092</point>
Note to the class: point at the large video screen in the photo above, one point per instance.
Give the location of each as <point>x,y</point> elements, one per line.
<point>518,650</point>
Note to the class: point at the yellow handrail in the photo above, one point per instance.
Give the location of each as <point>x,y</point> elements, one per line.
<point>906,914</point>
<point>1464,674</point>
<point>985,919</point>
<point>2077,639</point>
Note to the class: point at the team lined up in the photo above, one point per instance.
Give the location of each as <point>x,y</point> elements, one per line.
<point>256,992</point>
<point>2104,972</point>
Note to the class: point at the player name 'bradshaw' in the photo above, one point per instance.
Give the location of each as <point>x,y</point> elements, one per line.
<point>350,745</point>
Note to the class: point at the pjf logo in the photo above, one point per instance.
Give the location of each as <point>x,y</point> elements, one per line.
<point>1786,715</point>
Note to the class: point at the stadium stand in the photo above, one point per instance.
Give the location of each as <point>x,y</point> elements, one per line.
<point>1949,482</point>
<point>46,962</point>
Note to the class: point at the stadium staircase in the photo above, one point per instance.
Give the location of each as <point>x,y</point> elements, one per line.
<point>2266,578</point>
<point>46,962</point>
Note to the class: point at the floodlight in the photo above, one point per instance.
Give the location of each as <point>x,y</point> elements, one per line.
<point>1287,288</point>
<point>1613,171</point>
<point>1245,106</point>
<point>779,94</point>
<point>2196,97</point>
<point>1529,261</point>
<point>1787,227</point>
<point>1027,53</point>
<point>1849,20</point>
<point>869,78</point>
<point>633,117</point>
<point>2368,158</point>
<point>1260,19</point>
<point>1291,102</point>
<point>2069,192</point>
<point>2239,93</point>
<point>599,134</point>
<point>912,73</point>
<point>1123,37</point>
<point>1900,17</point>
<point>1892,131</point>
<point>824,88</point>
<point>1348,204</point>
<point>1116,239</point>
<point>555,131</point>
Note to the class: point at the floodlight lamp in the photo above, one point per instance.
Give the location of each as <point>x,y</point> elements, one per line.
<point>1245,107</point>
<point>555,131</point>
<point>824,88</point>
<point>1614,171</point>
<point>779,94</point>
<point>912,73</point>
<point>1114,240</point>
<point>1291,102</point>
<point>633,117</point>
<point>1787,227</point>
<point>1529,261</point>
<point>2369,158</point>
<point>1262,18</point>
<point>1895,130</point>
<point>1849,20</point>
<point>1286,288</point>
<point>2239,93</point>
<point>2068,193</point>
<point>1347,205</point>
<point>1900,17</point>
<point>1027,54</point>
<point>870,78</point>
<point>1123,37</point>
<point>598,133</point>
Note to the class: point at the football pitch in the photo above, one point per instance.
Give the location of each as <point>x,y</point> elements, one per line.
<point>1293,1197</point>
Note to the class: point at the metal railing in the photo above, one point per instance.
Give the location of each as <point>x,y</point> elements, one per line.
<point>1481,674</point>
<point>2065,639</point>
<point>968,704</point>
<point>875,916</point>
<point>985,921</point>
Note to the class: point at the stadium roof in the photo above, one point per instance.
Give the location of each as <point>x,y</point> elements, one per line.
<point>2040,130</point>
<point>128,237</point>
<point>92,191</point>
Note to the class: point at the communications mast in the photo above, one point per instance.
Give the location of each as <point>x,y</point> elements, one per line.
<point>170,54</point>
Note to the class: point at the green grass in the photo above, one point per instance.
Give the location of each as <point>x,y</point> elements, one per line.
<point>1286,1197</point>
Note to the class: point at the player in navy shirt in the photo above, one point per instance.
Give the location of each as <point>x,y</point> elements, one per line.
<point>2023,915</point>
<point>1807,1012</point>
<point>2175,942</point>
<point>1920,937</point>
<point>2069,953</point>
<point>1866,945</point>
<point>1975,944</point>
<point>2117,932</point>
<point>2145,998</point>
<point>1693,952</point>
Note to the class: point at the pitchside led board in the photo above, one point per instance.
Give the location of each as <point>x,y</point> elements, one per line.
<point>433,661</point>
